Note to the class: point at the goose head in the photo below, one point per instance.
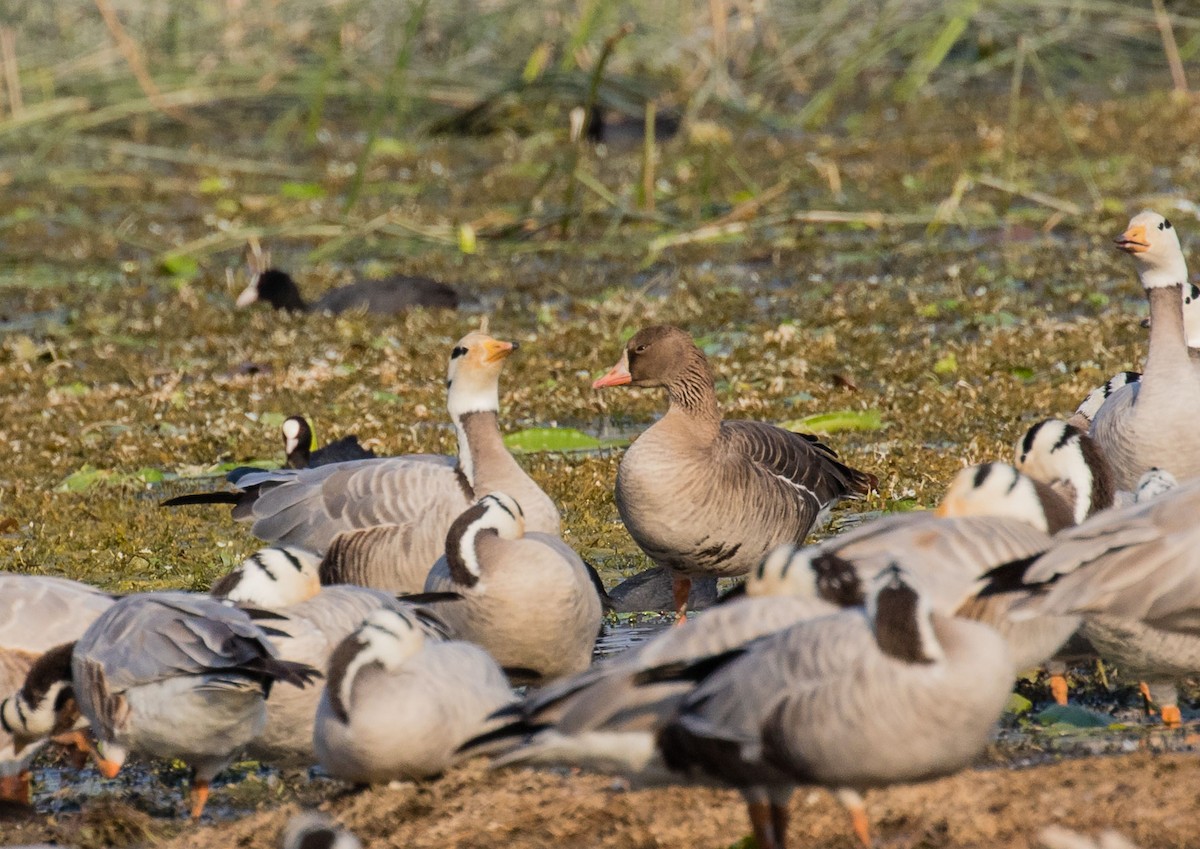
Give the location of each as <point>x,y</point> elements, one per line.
<point>662,356</point>
<point>998,489</point>
<point>1154,245</point>
<point>473,377</point>
<point>387,638</point>
<point>298,441</point>
<point>496,514</point>
<point>806,573</point>
<point>45,704</point>
<point>315,831</point>
<point>277,576</point>
<point>1069,461</point>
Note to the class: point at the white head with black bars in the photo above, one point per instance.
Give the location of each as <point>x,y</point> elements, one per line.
<point>310,830</point>
<point>496,514</point>
<point>277,576</point>
<point>387,638</point>
<point>999,490</point>
<point>45,704</point>
<point>806,573</point>
<point>1154,245</point>
<point>901,617</point>
<point>1068,460</point>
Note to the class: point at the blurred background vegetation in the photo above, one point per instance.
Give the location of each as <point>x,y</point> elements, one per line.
<point>314,121</point>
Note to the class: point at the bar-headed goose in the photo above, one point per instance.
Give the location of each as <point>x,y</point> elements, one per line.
<point>299,446</point>
<point>388,296</point>
<point>1133,573</point>
<point>998,489</point>
<point>271,577</point>
<point>177,676</point>
<point>382,522</point>
<point>858,699</point>
<point>398,703</point>
<point>1139,427</point>
<point>38,613</point>
<point>1071,463</point>
<point>606,717</point>
<point>702,496</point>
<point>309,622</point>
<point>526,597</point>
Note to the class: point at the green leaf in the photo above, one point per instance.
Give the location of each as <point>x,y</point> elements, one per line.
<point>1072,716</point>
<point>948,364</point>
<point>1017,704</point>
<point>382,395</point>
<point>836,421</point>
<point>180,265</point>
<point>302,191</point>
<point>85,477</point>
<point>149,474</point>
<point>536,439</point>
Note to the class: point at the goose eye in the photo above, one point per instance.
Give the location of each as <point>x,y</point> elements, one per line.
<point>640,349</point>
<point>1165,225</point>
<point>457,352</point>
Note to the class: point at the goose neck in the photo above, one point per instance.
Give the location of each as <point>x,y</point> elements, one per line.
<point>693,397</point>
<point>1168,343</point>
<point>481,450</point>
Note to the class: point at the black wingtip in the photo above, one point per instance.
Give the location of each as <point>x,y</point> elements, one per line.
<point>514,732</point>
<point>201,498</point>
<point>732,594</point>
<point>693,670</point>
<point>1010,577</point>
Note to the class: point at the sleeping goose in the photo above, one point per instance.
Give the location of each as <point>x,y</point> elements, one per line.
<point>1062,456</point>
<point>299,445</point>
<point>525,597</point>
<point>309,622</point>
<point>382,522</point>
<point>38,613</point>
<point>397,703</point>
<point>1140,425</point>
<point>177,676</point>
<point>388,296</point>
<point>858,699</point>
<point>1134,575</point>
<point>702,496</point>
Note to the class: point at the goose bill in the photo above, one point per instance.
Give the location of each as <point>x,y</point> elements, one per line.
<point>495,350</point>
<point>249,294</point>
<point>1133,240</point>
<point>618,375</point>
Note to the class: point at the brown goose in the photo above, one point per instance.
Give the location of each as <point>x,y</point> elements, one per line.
<point>525,597</point>
<point>702,496</point>
<point>1140,426</point>
<point>382,522</point>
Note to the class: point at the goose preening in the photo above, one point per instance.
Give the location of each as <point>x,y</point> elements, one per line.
<point>606,717</point>
<point>702,496</point>
<point>309,622</point>
<point>177,676</point>
<point>862,698</point>
<point>1143,425</point>
<point>1133,573</point>
<point>388,296</point>
<point>382,522</point>
<point>299,446</point>
<point>398,702</point>
<point>38,613</point>
<point>527,598</point>
<point>848,699</point>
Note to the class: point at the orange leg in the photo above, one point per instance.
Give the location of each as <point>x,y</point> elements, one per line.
<point>1058,688</point>
<point>681,587</point>
<point>108,769</point>
<point>1144,688</point>
<point>199,797</point>
<point>862,826</point>
<point>1171,716</point>
<point>17,788</point>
